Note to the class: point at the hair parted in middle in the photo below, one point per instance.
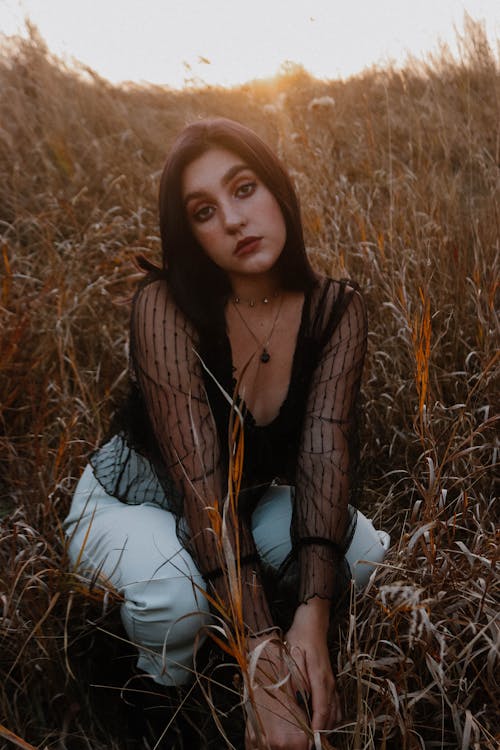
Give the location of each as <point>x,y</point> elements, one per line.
<point>199,286</point>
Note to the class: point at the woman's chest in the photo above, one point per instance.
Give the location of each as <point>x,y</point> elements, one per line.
<point>263,352</point>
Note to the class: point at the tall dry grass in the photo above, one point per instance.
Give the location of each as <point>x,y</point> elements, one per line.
<point>398,173</point>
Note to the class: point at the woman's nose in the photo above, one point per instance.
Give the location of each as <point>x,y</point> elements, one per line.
<point>234,217</point>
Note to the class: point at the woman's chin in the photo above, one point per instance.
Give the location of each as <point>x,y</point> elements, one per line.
<point>258,266</point>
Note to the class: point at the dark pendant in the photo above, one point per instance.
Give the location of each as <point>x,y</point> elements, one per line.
<point>265,356</point>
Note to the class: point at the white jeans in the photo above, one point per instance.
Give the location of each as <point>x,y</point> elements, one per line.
<point>136,549</point>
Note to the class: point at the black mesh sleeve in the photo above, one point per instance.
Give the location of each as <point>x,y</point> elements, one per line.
<point>169,373</point>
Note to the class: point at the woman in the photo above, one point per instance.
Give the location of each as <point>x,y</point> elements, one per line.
<point>236,305</point>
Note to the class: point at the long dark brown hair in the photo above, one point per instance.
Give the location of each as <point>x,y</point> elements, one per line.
<point>199,286</point>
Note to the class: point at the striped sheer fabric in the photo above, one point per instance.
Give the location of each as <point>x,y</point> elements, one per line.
<point>164,349</point>
<point>321,522</point>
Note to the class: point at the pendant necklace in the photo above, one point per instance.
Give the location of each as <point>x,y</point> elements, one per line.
<point>264,356</point>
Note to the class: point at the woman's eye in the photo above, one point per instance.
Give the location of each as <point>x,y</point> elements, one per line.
<point>247,188</point>
<point>203,214</point>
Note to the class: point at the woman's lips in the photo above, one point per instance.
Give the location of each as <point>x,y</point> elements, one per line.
<point>247,245</point>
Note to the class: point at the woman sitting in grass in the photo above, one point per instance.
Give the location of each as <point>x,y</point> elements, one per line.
<point>236,322</point>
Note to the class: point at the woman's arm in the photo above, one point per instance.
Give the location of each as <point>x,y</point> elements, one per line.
<point>319,524</point>
<point>323,469</point>
<point>163,350</point>
<point>322,493</point>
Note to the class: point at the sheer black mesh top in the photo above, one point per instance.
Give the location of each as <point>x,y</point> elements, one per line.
<point>177,423</point>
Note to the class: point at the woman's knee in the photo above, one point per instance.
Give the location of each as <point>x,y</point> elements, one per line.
<point>166,612</point>
<point>165,607</point>
<point>135,549</point>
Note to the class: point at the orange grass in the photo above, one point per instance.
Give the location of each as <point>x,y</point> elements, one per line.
<point>398,173</point>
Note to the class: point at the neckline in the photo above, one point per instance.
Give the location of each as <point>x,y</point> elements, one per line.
<point>249,417</point>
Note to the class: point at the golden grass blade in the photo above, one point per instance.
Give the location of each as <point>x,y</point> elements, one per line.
<point>11,737</point>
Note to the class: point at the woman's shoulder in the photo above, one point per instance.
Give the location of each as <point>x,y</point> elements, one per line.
<point>153,294</point>
<point>329,292</point>
<point>150,285</point>
<point>332,299</point>
<point>154,308</point>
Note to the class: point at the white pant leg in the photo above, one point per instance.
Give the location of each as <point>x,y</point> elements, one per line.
<point>136,548</point>
<point>271,522</point>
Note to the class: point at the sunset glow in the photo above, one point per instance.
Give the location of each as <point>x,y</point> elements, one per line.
<point>222,42</point>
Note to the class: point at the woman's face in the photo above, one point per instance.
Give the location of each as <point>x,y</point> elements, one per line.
<point>232,214</point>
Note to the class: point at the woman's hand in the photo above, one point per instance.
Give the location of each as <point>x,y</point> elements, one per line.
<point>279,721</point>
<point>307,644</point>
<point>284,717</point>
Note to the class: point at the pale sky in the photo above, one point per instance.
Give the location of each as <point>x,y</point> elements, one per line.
<point>152,40</point>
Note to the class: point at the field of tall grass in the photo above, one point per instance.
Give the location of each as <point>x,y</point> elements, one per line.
<point>399,177</point>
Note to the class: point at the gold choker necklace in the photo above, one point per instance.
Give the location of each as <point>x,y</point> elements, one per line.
<point>252,301</point>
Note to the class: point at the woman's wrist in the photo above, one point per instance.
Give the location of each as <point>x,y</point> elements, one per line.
<point>272,636</point>
<point>313,615</point>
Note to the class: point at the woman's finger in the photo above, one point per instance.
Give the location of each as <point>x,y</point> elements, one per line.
<point>249,738</point>
<point>325,704</point>
<point>333,719</point>
<point>336,710</point>
<point>298,670</point>
<point>338,704</point>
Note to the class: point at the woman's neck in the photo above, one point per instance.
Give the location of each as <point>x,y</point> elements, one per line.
<point>255,287</point>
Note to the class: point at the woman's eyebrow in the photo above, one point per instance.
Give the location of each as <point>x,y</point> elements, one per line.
<point>232,172</point>
<point>226,178</point>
